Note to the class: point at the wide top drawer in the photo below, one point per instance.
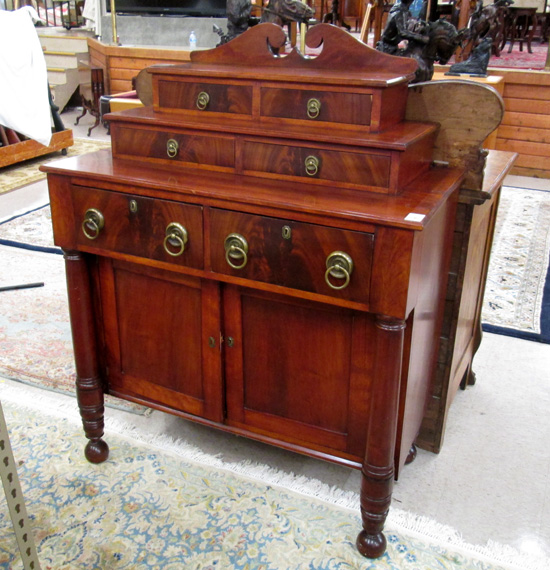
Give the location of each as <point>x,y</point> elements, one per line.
<point>135,225</point>
<point>304,256</point>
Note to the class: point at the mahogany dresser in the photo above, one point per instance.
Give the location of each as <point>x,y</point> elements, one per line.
<point>265,251</point>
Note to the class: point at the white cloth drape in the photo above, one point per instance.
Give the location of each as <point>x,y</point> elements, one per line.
<point>92,15</point>
<point>24,103</point>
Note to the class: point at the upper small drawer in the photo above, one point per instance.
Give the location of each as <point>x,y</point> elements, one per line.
<point>140,226</point>
<point>319,106</point>
<point>205,96</point>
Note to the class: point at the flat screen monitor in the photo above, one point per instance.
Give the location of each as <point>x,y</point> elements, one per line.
<point>211,8</point>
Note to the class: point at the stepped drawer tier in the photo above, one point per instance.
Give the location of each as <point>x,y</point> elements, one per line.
<point>183,147</point>
<point>204,97</point>
<point>134,225</point>
<point>316,106</point>
<point>302,256</point>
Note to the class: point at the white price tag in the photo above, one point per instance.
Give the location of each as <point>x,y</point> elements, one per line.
<point>414,217</point>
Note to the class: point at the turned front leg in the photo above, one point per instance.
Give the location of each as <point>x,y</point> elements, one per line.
<point>378,466</point>
<point>89,389</point>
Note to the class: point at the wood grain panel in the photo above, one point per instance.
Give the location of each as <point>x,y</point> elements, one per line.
<point>312,382</point>
<point>180,371</point>
<point>193,148</point>
<point>524,148</point>
<point>536,107</point>
<point>530,134</point>
<point>336,107</point>
<point>529,119</point>
<point>534,92</point>
<point>234,99</point>
<point>298,261</point>
<point>141,232</point>
<point>358,168</point>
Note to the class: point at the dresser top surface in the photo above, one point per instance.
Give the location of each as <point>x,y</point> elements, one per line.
<point>422,197</point>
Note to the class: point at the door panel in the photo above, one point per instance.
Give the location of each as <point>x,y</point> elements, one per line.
<point>157,329</point>
<point>296,370</point>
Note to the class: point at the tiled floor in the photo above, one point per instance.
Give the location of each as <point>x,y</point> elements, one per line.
<point>491,480</point>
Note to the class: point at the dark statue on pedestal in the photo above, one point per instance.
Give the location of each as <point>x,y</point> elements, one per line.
<point>281,12</point>
<point>488,22</point>
<point>478,61</point>
<point>427,42</point>
<point>238,16</point>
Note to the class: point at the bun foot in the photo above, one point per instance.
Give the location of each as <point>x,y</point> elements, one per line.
<point>412,455</point>
<point>371,545</point>
<point>96,451</point>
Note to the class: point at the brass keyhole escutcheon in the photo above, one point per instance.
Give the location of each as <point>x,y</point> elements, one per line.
<point>172,148</point>
<point>175,239</point>
<point>312,165</point>
<point>93,223</point>
<point>339,266</point>
<point>313,108</point>
<point>202,100</point>
<point>287,232</point>
<point>133,206</point>
<point>236,249</point>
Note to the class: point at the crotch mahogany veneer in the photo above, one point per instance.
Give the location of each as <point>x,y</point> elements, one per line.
<point>265,250</point>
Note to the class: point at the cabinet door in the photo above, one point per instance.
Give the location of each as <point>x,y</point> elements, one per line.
<point>298,371</point>
<point>161,335</point>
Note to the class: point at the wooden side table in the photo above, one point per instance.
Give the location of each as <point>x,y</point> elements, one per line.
<point>520,25</point>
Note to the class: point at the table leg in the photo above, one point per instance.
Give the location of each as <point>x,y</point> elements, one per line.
<point>378,467</point>
<point>89,389</point>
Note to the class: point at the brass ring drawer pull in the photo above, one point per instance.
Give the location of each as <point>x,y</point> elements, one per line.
<point>339,266</point>
<point>313,108</point>
<point>172,148</point>
<point>176,236</point>
<point>312,165</point>
<point>202,100</point>
<point>236,249</point>
<point>93,223</point>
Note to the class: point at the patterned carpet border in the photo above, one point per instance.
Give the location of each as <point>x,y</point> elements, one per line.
<point>164,504</point>
<point>23,173</point>
<point>35,333</point>
<point>517,294</point>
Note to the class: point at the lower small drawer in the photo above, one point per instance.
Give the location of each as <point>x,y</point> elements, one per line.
<point>183,147</point>
<point>359,169</point>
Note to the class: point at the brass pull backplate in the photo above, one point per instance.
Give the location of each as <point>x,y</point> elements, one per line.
<point>202,100</point>
<point>172,148</point>
<point>175,237</point>
<point>339,266</point>
<point>93,223</point>
<point>312,165</point>
<point>313,108</point>
<point>236,249</point>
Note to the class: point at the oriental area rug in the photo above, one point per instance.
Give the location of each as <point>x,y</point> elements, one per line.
<point>35,336</point>
<point>165,505</point>
<point>517,294</point>
<point>23,173</point>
